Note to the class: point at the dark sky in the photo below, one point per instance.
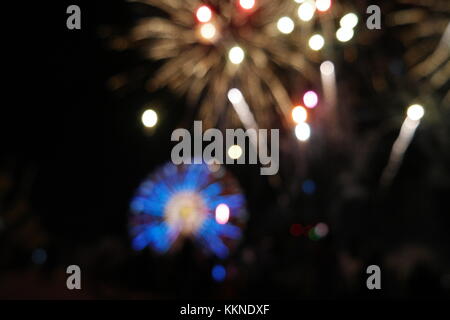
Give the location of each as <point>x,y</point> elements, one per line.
<point>90,154</point>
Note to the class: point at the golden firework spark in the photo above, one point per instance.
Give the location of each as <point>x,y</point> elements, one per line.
<point>259,46</point>
<point>426,34</point>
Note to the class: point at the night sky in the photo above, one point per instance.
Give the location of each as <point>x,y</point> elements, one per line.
<point>74,151</point>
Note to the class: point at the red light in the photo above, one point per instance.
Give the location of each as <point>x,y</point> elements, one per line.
<point>204,14</point>
<point>247,4</point>
<point>296,230</point>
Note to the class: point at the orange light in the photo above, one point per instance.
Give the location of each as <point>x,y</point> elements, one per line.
<point>208,31</point>
<point>299,114</point>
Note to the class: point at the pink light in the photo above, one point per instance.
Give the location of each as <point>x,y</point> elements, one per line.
<point>323,5</point>
<point>311,99</point>
<point>204,14</point>
<point>222,213</point>
<point>247,4</point>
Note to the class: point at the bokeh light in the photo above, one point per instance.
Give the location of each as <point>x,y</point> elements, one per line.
<point>285,25</point>
<point>222,213</point>
<point>415,112</point>
<point>306,11</point>
<point>299,114</point>
<point>302,131</point>
<point>316,42</point>
<point>204,14</point>
<point>296,230</point>
<point>321,230</point>
<point>218,273</point>
<point>323,5</point>
<point>235,152</point>
<point>310,99</point>
<point>247,4</point>
<point>149,118</point>
<point>309,187</point>
<point>349,21</point>
<point>344,34</point>
<point>236,55</point>
<point>327,68</point>
<point>208,31</point>
<point>39,256</point>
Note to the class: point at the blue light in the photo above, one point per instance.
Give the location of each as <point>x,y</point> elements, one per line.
<point>39,256</point>
<point>218,273</point>
<point>309,187</point>
<point>212,190</point>
<point>179,202</point>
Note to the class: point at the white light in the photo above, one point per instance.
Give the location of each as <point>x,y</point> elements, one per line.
<point>349,21</point>
<point>247,4</point>
<point>186,210</point>
<point>235,152</point>
<point>321,229</point>
<point>415,112</point>
<point>236,55</point>
<point>323,5</point>
<point>204,14</point>
<point>327,68</point>
<point>316,42</point>
<point>235,96</point>
<point>344,34</point>
<point>222,213</point>
<point>285,25</point>
<point>299,1</point>
<point>208,31</point>
<point>302,131</point>
<point>306,11</point>
<point>149,118</point>
<point>299,114</point>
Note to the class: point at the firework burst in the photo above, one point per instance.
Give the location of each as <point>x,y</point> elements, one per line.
<point>264,48</point>
<point>198,202</point>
